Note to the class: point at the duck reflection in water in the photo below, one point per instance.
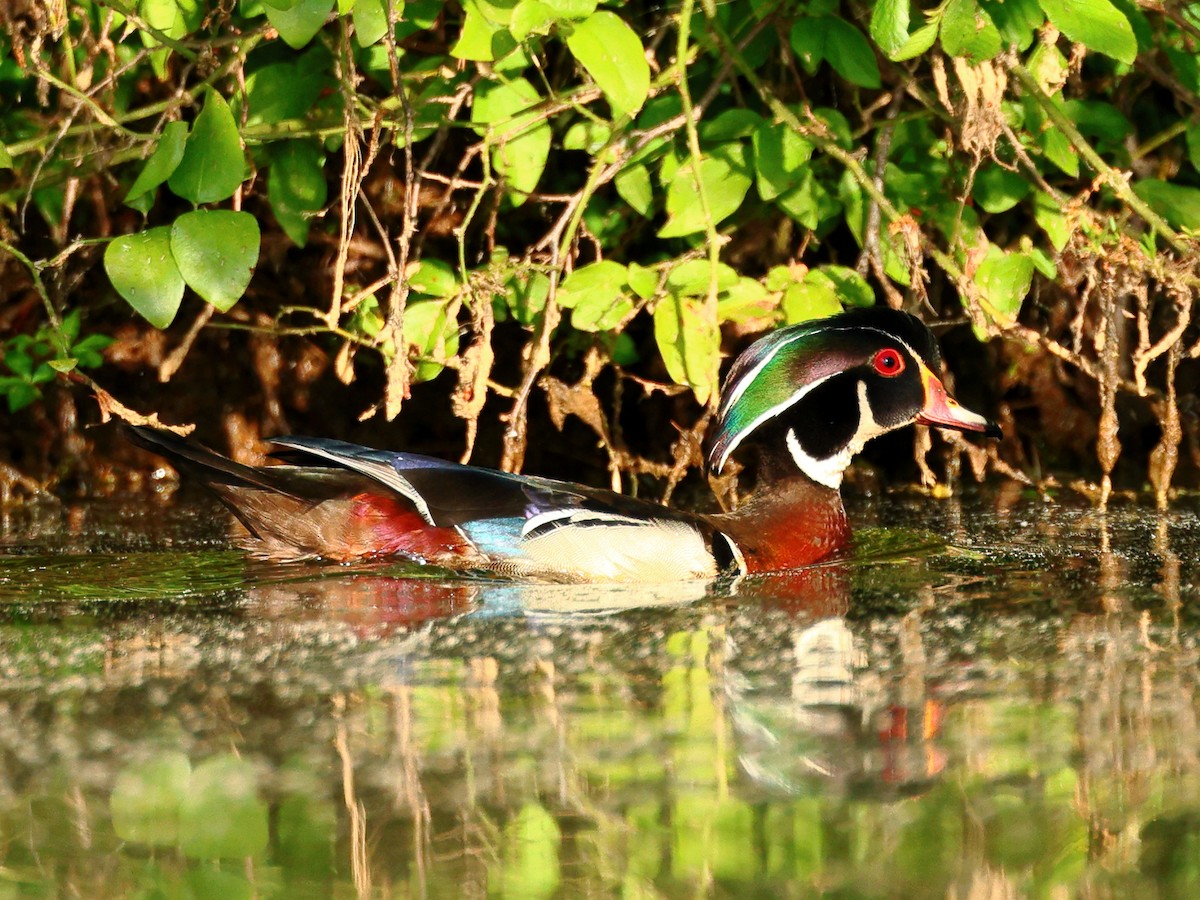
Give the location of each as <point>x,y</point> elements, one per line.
<point>837,721</point>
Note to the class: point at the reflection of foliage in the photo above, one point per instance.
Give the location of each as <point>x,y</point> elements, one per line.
<point>628,181</point>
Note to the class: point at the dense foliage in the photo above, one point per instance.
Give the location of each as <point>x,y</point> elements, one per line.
<point>624,188</point>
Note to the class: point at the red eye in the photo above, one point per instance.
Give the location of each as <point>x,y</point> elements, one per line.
<point>888,363</point>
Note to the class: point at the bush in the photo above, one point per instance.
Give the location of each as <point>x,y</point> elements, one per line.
<point>632,185</point>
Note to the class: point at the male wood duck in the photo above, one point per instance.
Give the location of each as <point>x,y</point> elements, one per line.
<point>806,397</point>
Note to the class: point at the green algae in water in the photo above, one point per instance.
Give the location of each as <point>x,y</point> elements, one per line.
<point>137,577</point>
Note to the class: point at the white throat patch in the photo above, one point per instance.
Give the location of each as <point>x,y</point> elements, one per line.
<point>828,471</point>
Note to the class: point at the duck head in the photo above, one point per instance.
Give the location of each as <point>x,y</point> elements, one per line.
<point>811,395</point>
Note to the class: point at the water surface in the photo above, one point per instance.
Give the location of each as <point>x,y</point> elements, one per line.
<point>997,697</point>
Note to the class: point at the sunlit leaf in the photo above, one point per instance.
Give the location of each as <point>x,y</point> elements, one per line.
<point>725,179</point>
<point>810,299</point>
<point>598,281</point>
<point>1004,280</point>
<point>889,24</point>
<point>633,186</point>
<point>596,294</point>
<point>747,301</point>
<point>521,140</point>
<point>216,251</point>
<point>370,19</point>
<point>851,288</point>
<point>1096,24</point>
<point>299,24</point>
<point>780,155</point>
<point>694,277</point>
<point>162,162</point>
<point>435,278</point>
<point>643,280</point>
<point>613,55</point>
<point>432,334</point>
<point>967,30</point>
<point>918,42</point>
<point>689,341</point>
<point>143,271</point>
<point>213,164</point>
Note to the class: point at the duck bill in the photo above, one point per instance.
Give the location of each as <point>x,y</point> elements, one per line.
<point>943,411</point>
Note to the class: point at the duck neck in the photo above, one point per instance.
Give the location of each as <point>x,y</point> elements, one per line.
<point>788,522</point>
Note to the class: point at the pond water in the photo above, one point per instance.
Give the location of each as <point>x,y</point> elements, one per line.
<point>997,697</point>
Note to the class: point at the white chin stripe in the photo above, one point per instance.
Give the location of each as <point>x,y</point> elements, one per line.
<point>828,471</point>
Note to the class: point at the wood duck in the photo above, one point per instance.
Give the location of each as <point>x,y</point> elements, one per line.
<point>806,397</point>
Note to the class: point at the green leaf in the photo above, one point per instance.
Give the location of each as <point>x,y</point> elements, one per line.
<point>526,296</point>
<point>216,251</point>
<point>1179,205</point>
<point>299,24</point>
<point>729,125</point>
<point>572,9</point>
<point>780,156</point>
<point>1096,24</point>
<point>596,314</point>
<point>484,36</point>
<point>968,31</point>
<point>725,179</point>
<point>889,24</point>
<point>851,288</point>
<point>370,21</point>
<point>633,186</point>
<point>807,38</point>
<point>532,17</point>
<point>1057,147</point>
<point>918,42</point>
<point>296,187</point>
<point>1017,20</point>
<point>1004,280</point>
<point>21,395</point>
<point>1049,214</point>
<point>614,56</point>
<point>598,282</point>
<point>88,350</point>
<point>850,53</point>
<point>1193,145</point>
<point>587,135</point>
<point>998,190</point>
<point>19,362</point>
<point>6,160</point>
<point>520,140</point>
<point>213,164</point>
<point>432,334</point>
<point>434,278</point>
<point>643,280</point>
<point>695,276</point>
<point>143,271</point>
<point>162,162</point>
<point>810,299</point>
<point>745,302</point>
<point>281,91</point>
<point>222,816</point>
<point>689,341</point>
<point>146,799</point>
